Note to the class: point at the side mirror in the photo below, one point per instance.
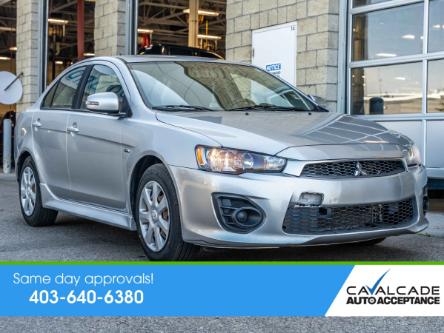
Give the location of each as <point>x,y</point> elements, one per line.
<point>107,102</point>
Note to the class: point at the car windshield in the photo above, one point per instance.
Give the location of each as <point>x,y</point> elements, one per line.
<point>211,86</point>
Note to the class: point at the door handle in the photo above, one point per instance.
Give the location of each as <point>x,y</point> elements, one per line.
<point>37,123</point>
<point>73,129</point>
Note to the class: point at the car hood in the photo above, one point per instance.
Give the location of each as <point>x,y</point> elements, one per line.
<point>272,132</point>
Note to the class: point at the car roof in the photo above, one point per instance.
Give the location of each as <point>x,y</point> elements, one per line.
<point>155,57</point>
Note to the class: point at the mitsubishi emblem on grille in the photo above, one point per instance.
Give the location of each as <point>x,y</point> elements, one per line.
<point>359,170</point>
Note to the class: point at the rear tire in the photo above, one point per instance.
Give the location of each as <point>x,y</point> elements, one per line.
<point>31,199</point>
<point>158,218</point>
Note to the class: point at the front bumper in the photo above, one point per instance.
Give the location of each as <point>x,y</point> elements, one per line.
<point>274,192</point>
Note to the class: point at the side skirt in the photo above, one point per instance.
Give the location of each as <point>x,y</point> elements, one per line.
<point>99,214</point>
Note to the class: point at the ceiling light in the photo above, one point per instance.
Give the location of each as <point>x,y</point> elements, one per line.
<point>436,26</point>
<point>386,55</point>
<point>58,21</point>
<point>13,48</point>
<point>408,36</point>
<point>59,62</point>
<point>4,58</point>
<point>400,78</point>
<point>89,54</point>
<point>203,12</point>
<point>8,29</point>
<point>145,31</point>
<point>211,37</point>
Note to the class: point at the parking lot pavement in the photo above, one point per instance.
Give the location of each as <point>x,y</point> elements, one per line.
<point>222,324</point>
<point>76,239</point>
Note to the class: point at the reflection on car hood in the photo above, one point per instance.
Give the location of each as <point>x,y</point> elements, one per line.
<point>273,131</point>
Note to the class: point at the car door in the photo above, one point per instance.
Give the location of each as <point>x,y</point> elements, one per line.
<point>94,145</point>
<point>49,132</point>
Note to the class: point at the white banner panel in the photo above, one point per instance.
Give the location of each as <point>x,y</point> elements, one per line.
<point>391,290</point>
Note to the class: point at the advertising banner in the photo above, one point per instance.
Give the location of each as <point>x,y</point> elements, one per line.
<point>223,289</point>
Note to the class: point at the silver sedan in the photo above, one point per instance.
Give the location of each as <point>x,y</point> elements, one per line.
<point>193,152</point>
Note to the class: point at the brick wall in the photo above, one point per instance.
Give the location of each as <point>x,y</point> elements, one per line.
<point>317,44</point>
<point>110,27</point>
<point>28,50</point>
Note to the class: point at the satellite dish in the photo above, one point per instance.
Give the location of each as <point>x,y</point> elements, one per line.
<point>11,89</point>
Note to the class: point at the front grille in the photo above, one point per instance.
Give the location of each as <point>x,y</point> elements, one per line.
<point>364,168</point>
<point>310,220</point>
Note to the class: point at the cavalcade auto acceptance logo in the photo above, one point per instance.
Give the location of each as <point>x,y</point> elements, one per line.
<point>391,290</point>
<point>379,293</point>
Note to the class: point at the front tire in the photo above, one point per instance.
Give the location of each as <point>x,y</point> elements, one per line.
<point>158,218</point>
<point>31,199</point>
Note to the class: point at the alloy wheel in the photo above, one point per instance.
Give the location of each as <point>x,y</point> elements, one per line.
<point>154,216</point>
<point>28,191</point>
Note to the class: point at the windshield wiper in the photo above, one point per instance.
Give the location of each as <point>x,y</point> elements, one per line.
<point>179,108</point>
<point>268,107</point>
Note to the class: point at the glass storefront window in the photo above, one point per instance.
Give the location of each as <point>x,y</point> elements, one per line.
<point>391,89</point>
<point>435,90</point>
<point>163,29</point>
<point>63,44</point>
<point>436,26</point>
<point>8,13</point>
<point>358,3</point>
<point>388,33</point>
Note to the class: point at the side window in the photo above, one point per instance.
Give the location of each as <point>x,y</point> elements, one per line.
<point>102,79</point>
<point>66,89</point>
<point>47,101</point>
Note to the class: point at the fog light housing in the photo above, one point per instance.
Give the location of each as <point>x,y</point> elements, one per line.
<point>236,213</point>
<point>310,199</point>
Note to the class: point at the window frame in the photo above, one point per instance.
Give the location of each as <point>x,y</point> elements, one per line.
<point>81,92</point>
<point>424,57</point>
<point>55,85</point>
<point>379,10</point>
<point>82,87</point>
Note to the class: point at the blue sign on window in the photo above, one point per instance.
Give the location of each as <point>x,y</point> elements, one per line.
<point>273,67</point>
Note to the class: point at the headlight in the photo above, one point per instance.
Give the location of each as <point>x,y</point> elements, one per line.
<point>412,156</point>
<point>236,161</point>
